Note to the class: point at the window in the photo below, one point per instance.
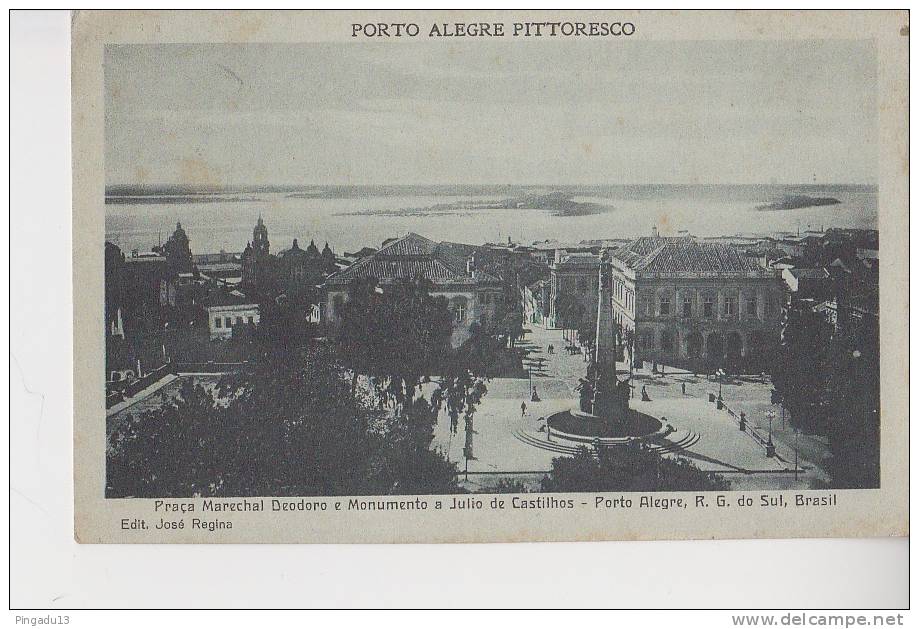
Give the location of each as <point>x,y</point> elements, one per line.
<point>708,306</point>
<point>239,320</point>
<point>227,322</point>
<point>665,305</point>
<point>217,322</point>
<point>751,307</point>
<point>667,341</point>
<point>730,306</point>
<point>251,320</point>
<point>646,306</point>
<point>459,309</point>
<point>687,306</point>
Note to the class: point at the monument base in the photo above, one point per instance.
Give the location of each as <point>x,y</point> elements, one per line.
<point>585,428</point>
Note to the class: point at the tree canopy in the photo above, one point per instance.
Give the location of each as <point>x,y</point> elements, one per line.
<point>289,425</point>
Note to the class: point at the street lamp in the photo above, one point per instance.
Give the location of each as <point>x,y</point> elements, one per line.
<point>165,332</point>
<point>770,447</point>
<point>720,374</point>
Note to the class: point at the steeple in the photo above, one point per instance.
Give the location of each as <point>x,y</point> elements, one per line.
<point>313,250</point>
<point>260,243</point>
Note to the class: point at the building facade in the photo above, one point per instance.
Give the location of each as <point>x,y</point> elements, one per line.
<point>473,295</point>
<point>230,312</point>
<point>572,288</point>
<point>695,304</point>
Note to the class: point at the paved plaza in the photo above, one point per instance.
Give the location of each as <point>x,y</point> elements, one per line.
<point>508,445</point>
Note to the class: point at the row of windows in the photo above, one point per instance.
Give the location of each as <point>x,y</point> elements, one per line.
<point>729,307</point>
<point>227,322</point>
<point>623,294</point>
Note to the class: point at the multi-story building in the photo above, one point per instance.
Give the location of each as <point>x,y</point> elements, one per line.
<point>572,288</point>
<point>473,295</point>
<point>696,304</point>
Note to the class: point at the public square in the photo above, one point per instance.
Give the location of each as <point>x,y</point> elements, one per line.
<point>515,447</point>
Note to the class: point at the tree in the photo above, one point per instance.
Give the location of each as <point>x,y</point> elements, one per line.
<point>393,336</point>
<point>587,331</point>
<point>852,423</point>
<point>288,425</point>
<point>512,327</point>
<point>828,379</point>
<point>628,468</point>
<point>800,370</point>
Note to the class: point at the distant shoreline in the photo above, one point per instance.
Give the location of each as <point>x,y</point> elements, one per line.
<point>118,192</point>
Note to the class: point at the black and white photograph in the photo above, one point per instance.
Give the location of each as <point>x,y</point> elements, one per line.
<point>525,267</point>
<point>462,309</point>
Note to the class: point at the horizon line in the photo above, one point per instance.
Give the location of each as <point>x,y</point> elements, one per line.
<point>481,184</point>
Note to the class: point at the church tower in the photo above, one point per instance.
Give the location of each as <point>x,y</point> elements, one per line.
<point>260,244</point>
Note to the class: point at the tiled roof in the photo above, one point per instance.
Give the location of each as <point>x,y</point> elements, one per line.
<point>578,259</point>
<point>410,257</point>
<point>810,274</point>
<point>226,298</point>
<point>685,256</point>
<point>487,260</point>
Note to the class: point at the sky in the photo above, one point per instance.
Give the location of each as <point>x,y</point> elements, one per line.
<point>492,112</point>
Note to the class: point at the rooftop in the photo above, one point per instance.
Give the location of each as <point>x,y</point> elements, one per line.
<point>411,257</point>
<point>686,257</point>
<point>222,298</point>
<point>809,274</point>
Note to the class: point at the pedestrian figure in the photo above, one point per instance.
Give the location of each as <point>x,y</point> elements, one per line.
<point>683,387</point>
<point>535,396</point>
<point>644,394</point>
<point>523,409</point>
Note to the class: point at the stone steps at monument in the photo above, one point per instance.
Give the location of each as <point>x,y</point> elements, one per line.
<point>691,439</point>
<point>552,446</point>
<point>685,442</point>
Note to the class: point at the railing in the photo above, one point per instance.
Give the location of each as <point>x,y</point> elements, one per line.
<point>114,396</point>
<point>764,442</point>
<point>207,367</point>
<point>117,395</point>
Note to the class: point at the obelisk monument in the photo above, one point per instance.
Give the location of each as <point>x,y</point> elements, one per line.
<point>607,402</point>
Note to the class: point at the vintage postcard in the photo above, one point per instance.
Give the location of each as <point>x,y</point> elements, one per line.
<point>489,276</point>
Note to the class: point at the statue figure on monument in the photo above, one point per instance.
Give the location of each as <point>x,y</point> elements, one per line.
<point>586,390</point>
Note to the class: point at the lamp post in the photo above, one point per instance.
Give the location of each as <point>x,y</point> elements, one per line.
<point>720,374</point>
<point>770,447</point>
<point>165,332</point>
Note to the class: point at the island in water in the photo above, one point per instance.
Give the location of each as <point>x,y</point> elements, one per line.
<point>795,202</point>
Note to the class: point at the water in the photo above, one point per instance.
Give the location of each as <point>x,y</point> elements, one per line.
<point>353,218</point>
